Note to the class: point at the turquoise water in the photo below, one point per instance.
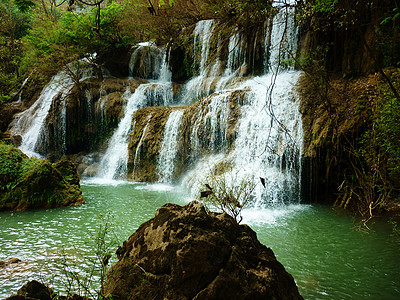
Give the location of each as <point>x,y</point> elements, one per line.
<point>328,257</point>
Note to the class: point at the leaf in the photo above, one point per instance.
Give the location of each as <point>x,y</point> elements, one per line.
<point>161,3</point>
<point>171,3</point>
<point>385,20</point>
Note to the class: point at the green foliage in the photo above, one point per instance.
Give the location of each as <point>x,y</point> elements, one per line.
<point>374,179</point>
<point>243,13</point>
<point>385,132</point>
<point>325,5</point>
<point>162,4</point>
<point>87,280</point>
<point>14,23</point>
<point>11,161</point>
<point>24,5</point>
<point>391,18</point>
<point>50,45</point>
<point>388,38</point>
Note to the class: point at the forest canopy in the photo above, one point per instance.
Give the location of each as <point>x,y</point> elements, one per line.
<point>38,37</point>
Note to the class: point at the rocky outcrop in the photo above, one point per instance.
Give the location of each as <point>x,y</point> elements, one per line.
<point>7,111</point>
<point>350,38</point>
<point>14,267</point>
<point>32,183</point>
<point>9,261</point>
<point>334,118</point>
<point>145,142</point>
<point>187,253</point>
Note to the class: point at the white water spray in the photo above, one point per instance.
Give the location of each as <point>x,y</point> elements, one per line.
<point>169,147</point>
<point>29,123</point>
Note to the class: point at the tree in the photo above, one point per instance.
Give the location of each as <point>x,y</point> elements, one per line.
<point>15,20</point>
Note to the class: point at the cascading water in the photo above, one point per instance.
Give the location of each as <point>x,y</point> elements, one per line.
<point>169,147</point>
<point>139,146</point>
<point>146,61</point>
<point>200,85</point>
<point>269,138</point>
<point>114,162</point>
<point>155,93</point>
<point>255,135</point>
<point>29,123</point>
<point>212,118</point>
<point>283,41</point>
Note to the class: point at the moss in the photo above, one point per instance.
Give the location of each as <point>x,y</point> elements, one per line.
<point>32,183</point>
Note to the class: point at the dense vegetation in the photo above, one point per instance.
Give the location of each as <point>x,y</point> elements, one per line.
<point>350,40</point>
<point>34,183</point>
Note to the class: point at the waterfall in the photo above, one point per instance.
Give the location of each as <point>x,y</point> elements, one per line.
<point>212,118</point>
<point>269,138</point>
<point>139,146</point>
<point>155,93</point>
<point>61,129</point>
<point>29,123</point>
<point>199,85</point>
<point>202,36</point>
<point>114,162</point>
<point>283,41</point>
<point>147,61</point>
<point>234,124</point>
<point>169,147</point>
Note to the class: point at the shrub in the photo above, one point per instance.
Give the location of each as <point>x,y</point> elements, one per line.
<point>228,193</point>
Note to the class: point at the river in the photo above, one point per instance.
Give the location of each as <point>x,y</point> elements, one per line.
<point>329,257</point>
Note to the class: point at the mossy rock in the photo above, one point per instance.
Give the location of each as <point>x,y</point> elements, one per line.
<point>145,142</point>
<point>28,183</point>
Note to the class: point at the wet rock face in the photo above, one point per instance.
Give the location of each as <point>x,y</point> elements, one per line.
<point>187,253</point>
<point>7,111</point>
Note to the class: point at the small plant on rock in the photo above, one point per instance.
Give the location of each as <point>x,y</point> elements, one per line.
<point>87,282</point>
<point>228,193</point>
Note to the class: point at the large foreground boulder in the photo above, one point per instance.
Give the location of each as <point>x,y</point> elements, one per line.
<point>187,253</point>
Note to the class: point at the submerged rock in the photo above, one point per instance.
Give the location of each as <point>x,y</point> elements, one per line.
<point>9,261</point>
<point>187,253</point>
<point>12,266</point>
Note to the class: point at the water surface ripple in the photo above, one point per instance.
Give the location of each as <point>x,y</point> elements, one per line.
<point>324,252</point>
